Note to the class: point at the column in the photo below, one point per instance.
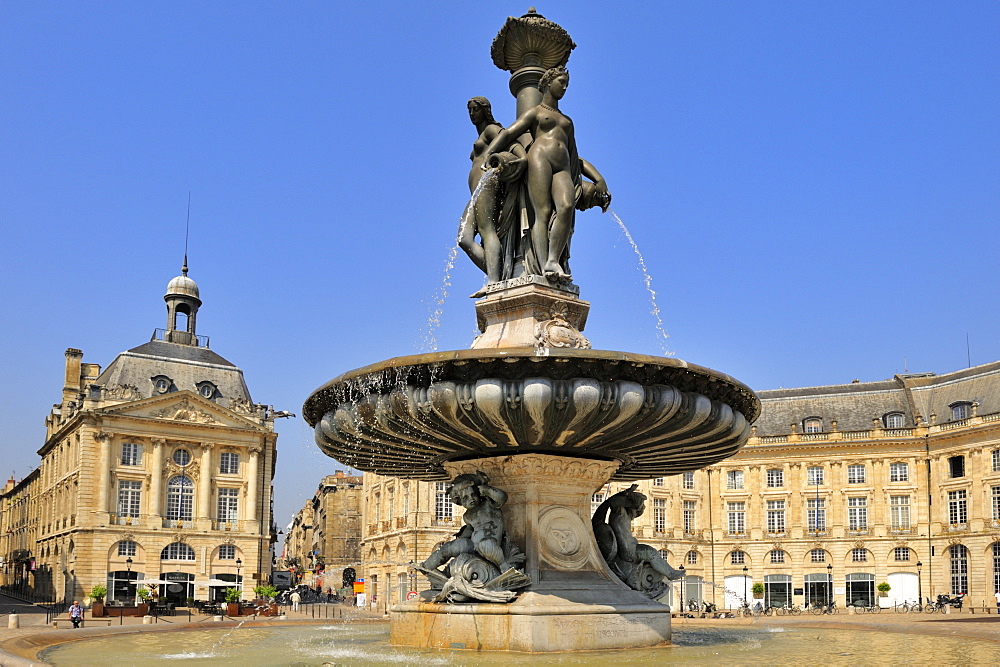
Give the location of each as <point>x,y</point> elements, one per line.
<point>252,524</point>
<point>205,487</point>
<point>156,482</point>
<point>103,467</point>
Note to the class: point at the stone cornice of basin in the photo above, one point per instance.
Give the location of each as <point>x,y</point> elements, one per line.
<point>407,417</point>
<point>513,363</point>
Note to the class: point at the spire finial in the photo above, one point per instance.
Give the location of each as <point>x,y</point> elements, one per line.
<point>187,228</point>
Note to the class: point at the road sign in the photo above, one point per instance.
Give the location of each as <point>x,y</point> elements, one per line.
<point>411,595</point>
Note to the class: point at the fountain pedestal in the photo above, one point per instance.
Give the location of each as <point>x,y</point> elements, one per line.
<point>574,602</point>
<point>527,313</point>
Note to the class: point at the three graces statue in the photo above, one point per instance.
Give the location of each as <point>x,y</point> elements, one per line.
<point>524,212</point>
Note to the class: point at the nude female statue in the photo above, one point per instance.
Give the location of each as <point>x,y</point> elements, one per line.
<point>554,170</point>
<point>487,254</point>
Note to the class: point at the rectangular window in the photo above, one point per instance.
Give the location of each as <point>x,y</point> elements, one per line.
<point>859,555</point>
<point>392,502</point>
<point>129,498</point>
<point>817,556</point>
<point>229,463</point>
<point>857,514</point>
<point>901,553</point>
<point>996,502</point>
<point>775,478</point>
<point>776,516</point>
<point>689,516</point>
<point>689,480</point>
<point>777,556</point>
<point>899,512</point>
<point>227,552</point>
<point>658,481</point>
<point>692,557</point>
<point>856,474</point>
<point>996,460</point>
<point>814,476</point>
<point>737,557</point>
<point>595,502</point>
<point>816,511</point>
<point>956,466</point>
<point>126,548</point>
<point>229,505</point>
<point>958,510</point>
<point>899,472</point>
<point>443,507</point>
<point>737,518</point>
<point>131,454</point>
<point>734,479</point>
<point>659,515</point>
<point>406,499</point>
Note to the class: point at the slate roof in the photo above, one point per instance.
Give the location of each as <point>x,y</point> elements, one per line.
<point>855,405</point>
<point>186,365</point>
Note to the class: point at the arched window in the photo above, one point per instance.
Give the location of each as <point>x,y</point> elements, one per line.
<point>177,551</point>
<point>737,557</point>
<point>893,420</point>
<point>777,556</point>
<point>812,425</point>
<point>692,557</point>
<point>996,566</point>
<point>961,410</point>
<point>180,496</point>
<point>959,556</point>
<point>126,548</point>
<point>664,554</point>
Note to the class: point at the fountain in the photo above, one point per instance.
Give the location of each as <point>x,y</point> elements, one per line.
<point>530,421</point>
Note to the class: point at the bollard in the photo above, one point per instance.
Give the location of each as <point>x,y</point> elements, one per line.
<point>14,621</point>
<point>850,610</point>
<point>217,619</point>
<point>147,620</point>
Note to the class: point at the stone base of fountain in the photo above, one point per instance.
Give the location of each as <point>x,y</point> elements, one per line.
<point>528,313</point>
<point>574,603</point>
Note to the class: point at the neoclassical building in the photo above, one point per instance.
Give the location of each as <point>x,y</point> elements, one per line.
<point>157,468</point>
<point>840,488</point>
<point>323,539</point>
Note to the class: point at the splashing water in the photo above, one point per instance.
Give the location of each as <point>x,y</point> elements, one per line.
<point>429,337</point>
<point>654,307</point>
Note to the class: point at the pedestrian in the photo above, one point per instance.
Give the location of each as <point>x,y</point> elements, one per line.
<point>329,595</point>
<point>997,596</point>
<point>76,614</point>
<point>296,599</point>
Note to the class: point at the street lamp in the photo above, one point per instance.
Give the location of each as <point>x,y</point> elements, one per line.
<point>683,574</point>
<point>829,574</point>
<point>745,570</point>
<point>920,586</point>
<point>128,585</point>
<point>239,579</point>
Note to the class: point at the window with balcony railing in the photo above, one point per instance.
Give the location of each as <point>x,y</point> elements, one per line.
<point>857,514</point>
<point>659,515</point>
<point>899,513</point>
<point>776,516</point>
<point>958,510</point>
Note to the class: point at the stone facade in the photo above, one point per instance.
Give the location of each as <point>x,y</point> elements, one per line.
<point>158,468</point>
<point>839,489</point>
<point>324,538</point>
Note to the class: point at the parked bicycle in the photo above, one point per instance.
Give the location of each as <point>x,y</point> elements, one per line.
<point>907,607</point>
<point>866,607</point>
<point>824,609</point>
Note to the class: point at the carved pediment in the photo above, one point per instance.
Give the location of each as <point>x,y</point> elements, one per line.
<point>184,407</point>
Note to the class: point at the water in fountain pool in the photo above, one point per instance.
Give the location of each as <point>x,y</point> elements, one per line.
<point>654,307</point>
<point>367,643</point>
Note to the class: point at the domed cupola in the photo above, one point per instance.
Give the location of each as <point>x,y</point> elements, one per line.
<point>183,301</point>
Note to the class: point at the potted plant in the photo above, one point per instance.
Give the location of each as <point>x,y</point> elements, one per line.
<point>883,589</point>
<point>757,590</point>
<point>98,592</point>
<point>143,595</point>
<point>233,597</point>
<point>265,597</point>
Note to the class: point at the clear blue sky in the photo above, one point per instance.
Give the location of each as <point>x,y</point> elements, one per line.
<point>815,186</point>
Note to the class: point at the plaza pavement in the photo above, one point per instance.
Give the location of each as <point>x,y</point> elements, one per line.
<point>19,646</point>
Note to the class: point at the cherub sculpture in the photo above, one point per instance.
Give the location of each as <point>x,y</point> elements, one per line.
<point>640,566</point>
<point>480,563</point>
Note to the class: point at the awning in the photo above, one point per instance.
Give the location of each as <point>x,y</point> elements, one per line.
<point>154,582</point>
<point>211,583</point>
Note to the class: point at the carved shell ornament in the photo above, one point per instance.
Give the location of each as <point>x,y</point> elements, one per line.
<point>558,332</point>
<point>531,41</point>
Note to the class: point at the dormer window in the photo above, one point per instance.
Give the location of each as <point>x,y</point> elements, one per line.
<point>161,384</point>
<point>812,425</point>
<point>893,420</point>
<point>960,411</point>
<point>207,390</point>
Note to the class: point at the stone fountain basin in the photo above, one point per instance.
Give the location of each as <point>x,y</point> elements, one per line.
<point>408,416</point>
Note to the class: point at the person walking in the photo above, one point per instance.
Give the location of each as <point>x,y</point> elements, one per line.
<point>76,614</point>
<point>997,596</point>
<point>296,599</point>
